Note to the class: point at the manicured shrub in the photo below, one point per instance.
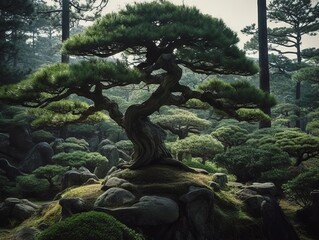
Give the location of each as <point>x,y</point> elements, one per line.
<point>71,144</point>
<point>203,146</point>
<point>48,172</point>
<point>208,166</point>
<point>30,185</point>
<point>230,135</point>
<point>79,158</point>
<point>89,225</point>
<point>247,163</point>
<point>125,145</point>
<point>299,188</point>
<point>81,130</point>
<point>42,136</point>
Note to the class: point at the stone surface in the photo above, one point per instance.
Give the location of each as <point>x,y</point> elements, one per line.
<point>77,177</point>
<point>102,170</point>
<point>221,179</point>
<point>199,205</point>
<point>20,138</point>
<point>71,206</point>
<point>265,189</point>
<point>275,224</point>
<point>10,171</point>
<point>40,155</point>
<point>148,211</point>
<point>215,186</point>
<point>27,233</point>
<point>113,182</point>
<point>235,185</point>
<point>15,209</point>
<point>115,197</point>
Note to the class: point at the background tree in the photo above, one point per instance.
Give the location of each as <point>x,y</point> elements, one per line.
<point>300,18</point>
<point>13,15</point>
<point>263,56</point>
<point>203,146</point>
<point>230,135</point>
<point>48,172</point>
<point>164,37</point>
<point>297,144</point>
<point>181,122</point>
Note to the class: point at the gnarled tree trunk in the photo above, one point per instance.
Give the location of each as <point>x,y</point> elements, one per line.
<point>148,137</point>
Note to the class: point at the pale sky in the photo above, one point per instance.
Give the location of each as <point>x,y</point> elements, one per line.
<point>235,13</point>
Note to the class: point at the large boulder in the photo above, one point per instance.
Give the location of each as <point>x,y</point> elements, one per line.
<point>221,179</point>
<point>199,218</point>
<point>72,206</point>
<point>148,211</point>
<point>115,197</point>
<point>14,209</point>
<point>27,233</point>
<point>20,138</point>
<point>275,224</point>
<point>310,214</point>
<point>111,153</point>
<point>10,171</point>
<point>113,182</point>
<point>40,155</point>
<point>77,177</point>
<point>264,189</point>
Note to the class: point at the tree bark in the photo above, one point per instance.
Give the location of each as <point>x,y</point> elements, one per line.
<point>263,56</point>
<point>65,26</point>
<point>146,136</point>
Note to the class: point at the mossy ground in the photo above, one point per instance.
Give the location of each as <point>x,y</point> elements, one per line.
<point>156,180</point>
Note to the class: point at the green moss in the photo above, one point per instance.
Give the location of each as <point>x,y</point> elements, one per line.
<point>89,225</point>
<point>158,179</point>
<point>208,166</point>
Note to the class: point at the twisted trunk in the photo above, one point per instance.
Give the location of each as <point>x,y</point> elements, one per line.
<point>148,137</point>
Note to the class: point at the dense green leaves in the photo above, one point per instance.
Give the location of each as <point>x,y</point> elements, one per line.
<point>203,146</point>
<point>79,158</point>
<point>248,163</point>
<point>299,188</point>
<point>202,43</point>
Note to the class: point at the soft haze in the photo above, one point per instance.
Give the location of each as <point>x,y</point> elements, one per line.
<point>235,13</point>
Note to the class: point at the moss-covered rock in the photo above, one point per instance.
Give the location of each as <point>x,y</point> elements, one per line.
<point>89,225</point>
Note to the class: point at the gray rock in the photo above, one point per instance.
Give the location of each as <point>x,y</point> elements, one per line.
<point>91,181</point>
<point>55,145</point>
<point>215,186</point>
<point>40,155</point>
<point>124,156</point>
<point>16,209</point>
<point>20,138</point>
<point>113,182</point>
<point>102,170</point>
<point>111,153</point>
<point>27,233</point>
<point>10,171</point>
<point>265,189</point>
<point>243,194</point>
<point>275,224</point>
<point>115,197</point>
<point>77,177</point>
<point>221,179</point>
<point>199,205</point>
<point>149,211</point>
<point>235,185</point>
<point>71,206</point>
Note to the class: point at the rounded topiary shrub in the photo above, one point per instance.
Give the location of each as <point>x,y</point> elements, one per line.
<point>248,163</point>
<point>78,159</point>
<point>89,225</point>
<point>299,188</point>
<point>42,136</point>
